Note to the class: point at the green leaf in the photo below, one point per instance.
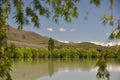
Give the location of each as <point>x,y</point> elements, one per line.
<point>96,2</point>
<point>118,35</point>
<point>74,12</point>
<point>68,18</point>
<point>35,20</point>
<point>111,23</point>
<point>107,17</point>
<point>104,22</point>
<point>29,11</point>
<point>112,36</point>
<point>112,2</point>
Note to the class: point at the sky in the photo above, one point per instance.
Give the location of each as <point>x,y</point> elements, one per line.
<point>79,29</point>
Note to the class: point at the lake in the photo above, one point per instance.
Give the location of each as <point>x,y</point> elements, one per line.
<point>65,69</point>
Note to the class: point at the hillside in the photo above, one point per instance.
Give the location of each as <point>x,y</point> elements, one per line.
<point>25,39</point>
<point>85,45</point>
<point>33,40</point>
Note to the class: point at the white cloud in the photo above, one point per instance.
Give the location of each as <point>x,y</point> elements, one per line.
<point>50,29</point>
<point>78,42</point>
<point>62,29</point>
<point>65,41</point>
<point>72,30</point>
<point>105,43</point>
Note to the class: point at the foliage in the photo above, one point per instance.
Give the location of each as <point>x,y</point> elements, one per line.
<point>29,11</point>
<point>60,53</point>
<point>43,53</point>
<point>5,66</point>
<point>18,53</point>
<point>2,33</point>
<point>115,33</point>
<point>102,70</point>
<point>25,13</point>
<point>51,44</point>
<point>108,19</point>
<point>93,53</point>
<point>34,53</point>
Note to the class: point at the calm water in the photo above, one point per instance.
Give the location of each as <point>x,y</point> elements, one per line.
<point>84,69</point>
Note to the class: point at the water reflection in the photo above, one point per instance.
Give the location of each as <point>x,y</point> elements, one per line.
<point>102,73</point>
<point>55,69</point>
<point>79,69</point>
<point>50,67</point>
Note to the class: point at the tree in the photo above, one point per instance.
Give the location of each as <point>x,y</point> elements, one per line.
<point>29,11</point>
<point>51,44</point>
<point>115,34</point>
<point>5,65</point>
<point>35,8</point>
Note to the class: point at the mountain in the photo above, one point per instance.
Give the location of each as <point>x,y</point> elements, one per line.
<point>85,45</point>
<point>21,38</point>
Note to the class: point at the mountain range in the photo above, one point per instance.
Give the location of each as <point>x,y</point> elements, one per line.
<point>22,38</point>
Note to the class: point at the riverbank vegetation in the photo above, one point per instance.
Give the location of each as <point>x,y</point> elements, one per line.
<point>13,52</point>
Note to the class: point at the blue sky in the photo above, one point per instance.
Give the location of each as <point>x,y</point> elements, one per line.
<point>79,29</point>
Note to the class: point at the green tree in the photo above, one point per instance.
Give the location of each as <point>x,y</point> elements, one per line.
<point>35,8</point>
<point>5,66</point>
<point>29,12</point>
<point>26,11</point>
<point>51,44</point>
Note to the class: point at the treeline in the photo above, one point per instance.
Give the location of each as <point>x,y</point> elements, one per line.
<point>13,52</point>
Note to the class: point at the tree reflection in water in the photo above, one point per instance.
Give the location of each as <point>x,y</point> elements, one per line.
<point>102,73</point>
<point>5,66</point>
<point>50,67</point>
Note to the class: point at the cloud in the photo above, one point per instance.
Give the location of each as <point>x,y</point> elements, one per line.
<point>50,29</point>
<point>72,30</point>
<point>62,29</point>
<point>65,41</point>
<point>105,43</point>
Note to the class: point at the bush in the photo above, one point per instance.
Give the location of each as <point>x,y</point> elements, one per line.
<point>34,53</point>
<point>27,52</point>
<point>18,53</point>
<point>43,53</point>
<point>59,53</point>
